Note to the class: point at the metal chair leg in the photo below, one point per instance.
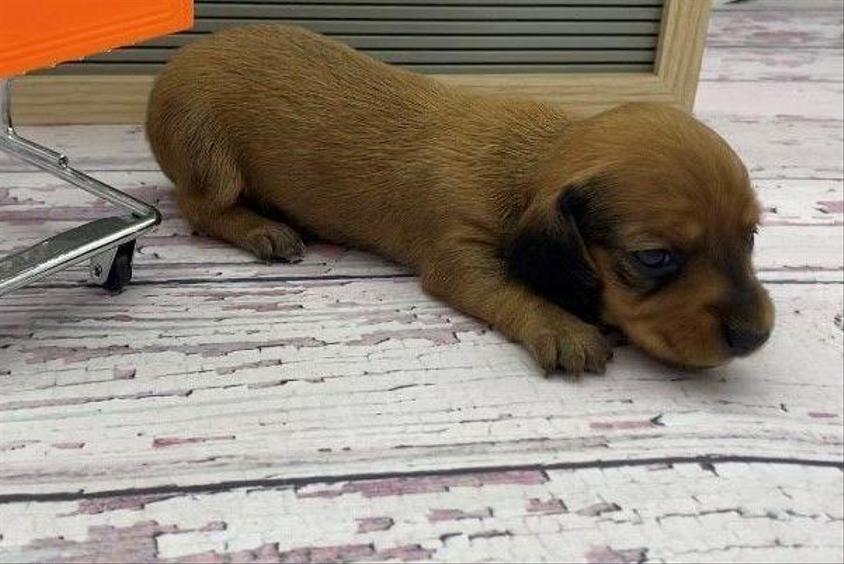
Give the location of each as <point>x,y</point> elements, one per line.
<point>108,242</point>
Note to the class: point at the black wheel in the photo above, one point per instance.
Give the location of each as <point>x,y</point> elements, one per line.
<point>121,268</point>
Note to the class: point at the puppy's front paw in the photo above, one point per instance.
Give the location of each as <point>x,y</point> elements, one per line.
<point>570,349</point>
<point>275,242</point>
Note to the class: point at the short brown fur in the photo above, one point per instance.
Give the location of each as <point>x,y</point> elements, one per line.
<point>266,121</point>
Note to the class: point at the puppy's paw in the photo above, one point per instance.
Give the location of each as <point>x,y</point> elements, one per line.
<point>571,349</point>
<point>275,242</point>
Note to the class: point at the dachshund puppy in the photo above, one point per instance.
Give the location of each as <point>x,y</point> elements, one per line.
<point>543,226</point>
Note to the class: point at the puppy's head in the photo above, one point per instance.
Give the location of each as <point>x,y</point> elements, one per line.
<point>644,219</point>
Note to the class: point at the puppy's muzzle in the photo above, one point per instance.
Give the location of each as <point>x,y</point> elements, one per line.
<point>747,323</point>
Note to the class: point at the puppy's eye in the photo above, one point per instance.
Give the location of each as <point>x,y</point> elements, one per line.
<point>657,262</point>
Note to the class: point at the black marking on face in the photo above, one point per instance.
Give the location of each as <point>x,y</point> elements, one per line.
<point>552,265</point>
<point>551,260</point>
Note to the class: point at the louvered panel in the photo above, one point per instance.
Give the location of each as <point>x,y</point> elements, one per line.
<point>468,42</point>
<point>439,36</point>
<point>472,28</point>
<point>285,10</point>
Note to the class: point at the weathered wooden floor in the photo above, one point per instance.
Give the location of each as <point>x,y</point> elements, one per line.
<point>225,410</point>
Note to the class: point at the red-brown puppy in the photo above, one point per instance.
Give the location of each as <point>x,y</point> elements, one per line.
<point>640,217</point>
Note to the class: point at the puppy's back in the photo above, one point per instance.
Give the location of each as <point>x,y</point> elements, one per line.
<point>301,123</point>
<point>282,80</point>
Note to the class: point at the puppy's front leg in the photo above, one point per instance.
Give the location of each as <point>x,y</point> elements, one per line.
<point>473,279</point>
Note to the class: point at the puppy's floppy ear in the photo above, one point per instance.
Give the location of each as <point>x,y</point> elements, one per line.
<point>551,259</point>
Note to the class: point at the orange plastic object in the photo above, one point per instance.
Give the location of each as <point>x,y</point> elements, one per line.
<point>42,33</point>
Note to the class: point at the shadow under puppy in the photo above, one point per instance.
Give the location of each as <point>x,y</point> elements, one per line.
<point>508,209</point>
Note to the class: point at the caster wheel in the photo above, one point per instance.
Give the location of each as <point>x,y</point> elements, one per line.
<point>120,272</point>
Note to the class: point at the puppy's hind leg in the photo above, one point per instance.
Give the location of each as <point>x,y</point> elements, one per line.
<point>213,202</point>
<point>266,239</point>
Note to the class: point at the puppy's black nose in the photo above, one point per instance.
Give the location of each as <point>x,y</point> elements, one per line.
<point>744,340</point>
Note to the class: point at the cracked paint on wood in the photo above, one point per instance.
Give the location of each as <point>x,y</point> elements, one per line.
<point>238,394</point>
<point>750,512</point>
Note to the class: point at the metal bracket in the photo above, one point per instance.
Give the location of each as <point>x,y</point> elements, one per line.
<point>100,266</point>
<point>98,240</point>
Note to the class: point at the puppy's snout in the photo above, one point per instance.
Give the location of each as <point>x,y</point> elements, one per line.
<point>743,340</point>
<point>747,322</point>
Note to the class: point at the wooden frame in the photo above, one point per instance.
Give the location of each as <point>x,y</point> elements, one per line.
<point>122,99</point>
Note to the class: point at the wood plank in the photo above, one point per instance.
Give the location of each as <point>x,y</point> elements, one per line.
<point>817,101</point>
<point>91,148</point>
<point>309,378</point>
<point>774,29</point>
<point>780,146</point>
<point>782,5</point>
<point>780,65</point>
<point>750,513</point>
